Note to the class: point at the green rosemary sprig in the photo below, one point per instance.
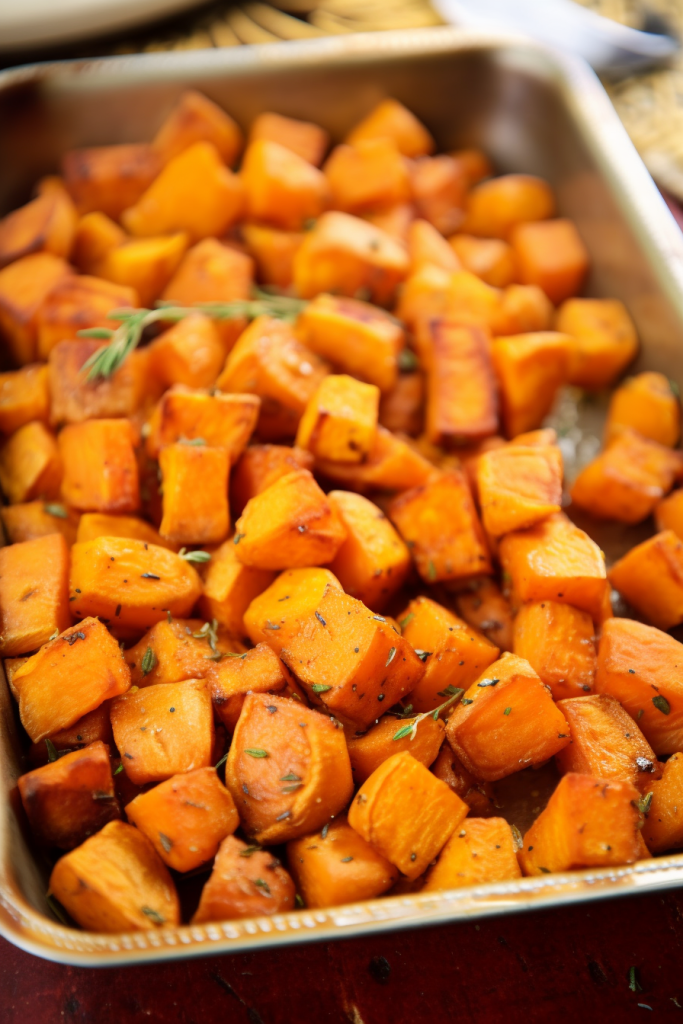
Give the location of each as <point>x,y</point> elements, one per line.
<point>454,693</point>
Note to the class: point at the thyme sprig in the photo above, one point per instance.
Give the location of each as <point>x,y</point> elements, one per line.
<point>454,693</point>
<point>132,323</point>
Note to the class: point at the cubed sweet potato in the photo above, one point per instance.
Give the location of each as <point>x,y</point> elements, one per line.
<point>484,606</point>
<point>145,264</point>
<point>220,420</point>
<point>33,593</point>
<point>495,207</point>
<point>368,175</point>
<point>230,587</point>
<point>109,179</point>
<point>191,352</point>
<point>368,750</point>
<point>491,259</point>
<point>647,404</point>
<point>30,464</point>
<point>482,850</point>
<point>605,340</point>
<point>96,236</point>
<point>281,188</point>
<point>663,828</point>
<point>100,468</point>
<point>259,467</point>
<point>552,255</point>
<point>478,795</point>
<point>307,140</point>
<point>24,286</point>
<point>475,163</point>
<point>392,465</point>
<point>427,246</point>
<point>195,118</point>
<point>92,525</point>
<point>24,396</point>
<point>195,493</point>
<point>650,577</point>
<point>439,187</point>
<point>46,224</point>
<point>180,649</point>
<point>93,727</point>
<point>518,486</point>
<point>391,120</point>
<point>530,370</point>
<point>38,519</point>
<point>559,643</point>
<point>393,220</point>
<point>668,513</point>
<point>401,409</point>
<point>256,671</point>
<point>340,419</point>
<point>78,303</point>
<point>76,398</point>
<point>274,252</point>
<point>523,308</point>
<point>245,882</point>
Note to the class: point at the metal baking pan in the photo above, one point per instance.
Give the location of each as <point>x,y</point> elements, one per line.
<point>532,110</point>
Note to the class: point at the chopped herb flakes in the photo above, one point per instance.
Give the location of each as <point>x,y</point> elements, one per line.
<point>488,682</point>
<point>392,655</point>
<point>662,704</point>
<point>149,661</point>
<point>198,557</point>
<point>153,915</point>
<point>165,842</point>
<point>320,688</point>
<point>249,850</point>
<point>56,510</point>
<point>255,752</point>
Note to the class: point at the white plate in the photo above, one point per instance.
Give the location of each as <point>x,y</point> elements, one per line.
<point>25,23</point>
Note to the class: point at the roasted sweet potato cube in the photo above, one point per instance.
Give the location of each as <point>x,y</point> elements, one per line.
<point>68,677</point>
<point>185,818</point>
<point>638,665</point>
<point>663,828</point>
<point>439,187</point>
<point>650,577</point>
<point>307,140</point>
<point>38,519</point>
<point>518,486</point>
<point>558,641</point>
<point>482,850</point>
<point>191,353</point>
<point>195,495</point>
<point>344,254</point>
<point>287,779</point>
<point>356,337</point>
<point>70,799</point>
<point>605,340</point>
<point>373,562</point>
<point>79,303</point>
<point>145,264</point>
<point>46,224</point>
<point>483,606</point>
<point>195,118</point>
<point>220,420</point>
<point>76,398</point>
<point>96,236</point>
<point>164,730</point>
<point>552,255</point>
<point>491,259</point>
<point>427,246</point>
<point>391,465</point>
<point>109,178</point>
<point>530,369</point>
<point>116,882</point>
<point>394,220</point>
<point>92,525</point>
<point>337,866</point>
<point>370,174</point>
<point>647,404</point>
<point>368,750</point>
<point>589,822</point>
<point>462,400</point>
<point>478,795</point>
<point>33,593</point>
<point>93,727</point>
<point>406,813</point>
<point>340,419</point>
<point>506,721</point>
<point>24,396</point>
<point>11,667</point>
<point>424,295</point>
<point>454,654</point>
<point>668,513</point>
<point>30,464</point>
<point>401,409</point>
<point>256,671</point>
<point>495,207</point>
<point>349,660</point>
<point>605,741</point>
<point>100,468</point>
<point>467,300</point>
<point>281,188</point>
<point>245,882</point>
<point>194,193</point>
<point>230,587</point>
<point>475,163</point>
<point>269,361</point>
<point>130,582</point>
<point>439,523</point>
<point>24,286</point>
<point>391,120</point>
<point>259,467</point>
<point>555,561</point>
<point>274,252</point>
<point>291,524</point>
<point>524,308</point>
<point>173,651</point>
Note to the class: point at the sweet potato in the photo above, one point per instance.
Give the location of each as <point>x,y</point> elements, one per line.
<point>605,340</point>
<point>24,396</point>
<point>491,259</point>
<point>288,769</point>
<point>337,866</point>
<point>368,175</point>
<point>281,188</point>
<point>370,749</point>
<point>394,220</point>
<point>131,583</point>
<point>340,419</point>
<point>109,178</point>
<point>524,308</point>
<point>259,467</point>
<point>344,255</point>
<point>424,295</point>
<point>483,606</point>
<point>195,118</point>
<point>589,822</point>
<point>401,409</point>
<point>164,730</point>
<point>96,236</point>
<point>454,655</point>
<point>518,486</point>
<point>220,420</point>
<point>195,495</point>
<point>495,207</point>
<point>439,523</point>
<point>373,562</point>
<point>663,828</point>
<point>70,799</point>
<point>638,665</point>
<point>427,246</point>
<point>115,882</point>
<point>38,519</point>
<point>478,795</point>
<point>530,369</point>
<point>392,465</point>
<point>24,286</point>
<point>439,187</point>
<point>555,561</point>
<point>92,525</point>
<point>291,524</point>
<point>230,587</point>
<point>391,120</point>
<point>33,593</point>
<point>668,513</point>
<point>274,252</point>
<point>30,464</point>
<point>145,264</point>
<point>307,140</point>
<point>191,352</point>
<point>475,163</point>
<point>406,813</point>
<point>647,404</point>
<point>77,303</point>
<point>606,742</point>
<point>469,301</point>
<point>180,649</point>
<point>100,469</point>
<point>552,255</point>
<point>185,818</point>
<point>245,882</point>
<point>46,224</point>
<point>69,677</point>
<point>256,671</point>
<point>482,850</point>
<point>76,398</point>
<point>558,641</point>
<point>650,577</point>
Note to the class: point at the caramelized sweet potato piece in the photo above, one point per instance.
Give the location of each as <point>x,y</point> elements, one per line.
<point>439,187</point>
<point>427,246</point>
<point>220,420</point>
<point>291,524</point>
<point>340,419</point>
<point>555,561</point>
<point>589,822</point>
<point>668,513</point>
<point>495,207</point>
<point>93,727</point>
<point>288,770</point>
<point>524,308</point>
<point>145,264</point>
<point>68,677</point>
<point>274,252</point>
<point>24,396</point>
<point>506,721</point>
<point>439,523</point>
<point>173,651</point>
<point>401,409</point>
<point>24,286</point>
<point>370,749</point>
<point>391,120</point>
<point>195,118</point>
<point>482,850</point>
<point>191,352</point>
<point>650,577</point>
<point>259,467</point>
<point>337,866</point>
<point>70,799</point>
<point>92,525</point>
<point>663,828</point>
<point>33,593</point>
<point>30,464</point>
<point>552,255</point>
<point>491,259</point>
<point>256,671</point>
<point>483,606</point>
<point>424,295</point>
<point>406,813</point>
<point>281,188</point>
<point>78,303</point>
<point>164,730</point>
<point>530,369</point>
<point>38,519</point>
<point>605,340</point>
<point>185,818</point>
<point>115,882</point>
<point>195,496</point>
<point>394,220</point>
<point>645,403</point>
<point>131,583</point>
<point>307,140</point>
<point>475,163</point>
<point>477,795</point>
<point>230,587</point>
<point>368,175</point>
<point>76,398</point>
<point>245,882</point>
<point>109,178</point>
<point>46,224</point>
<point>558,641</point>
<point>639,666</point>
<point>373,562</point>
<point>454,655</point>
<point>100,469</point>
<point>392,465</point>
<point>469,301</point>
<point>518,486</point>
<point>96,236</point>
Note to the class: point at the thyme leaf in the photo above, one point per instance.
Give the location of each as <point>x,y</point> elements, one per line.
<point>198,557</point>
<point>411,728</point>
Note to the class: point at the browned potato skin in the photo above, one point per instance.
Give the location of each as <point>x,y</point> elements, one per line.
<point>245,882</point>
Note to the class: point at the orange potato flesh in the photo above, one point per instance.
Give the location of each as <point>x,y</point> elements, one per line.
<point>650,577</point>
<point>401,409</point>
<point>260,466</point>
<point>524,308</point>
<point>518,487</point>
<point>196,119</point>
<point>195,494</point>
<point>145,264</point>
<point>281,188</point>
<point>439,187</point>
<point>558,641</point>
<point>33,593</point>
<point>108,179</point>
<point>484,607</point>
<point>340,419</point>
<point>288,770</point>
<point>24,286</point>
<point>475,163</point>
<point>173,651</point>
<point>38,519</point>
<point>190,352</point>
<point>24,396</point>
<point>96,236</point>
<point>551,254</point>
<point>256,671</point>
<point>478,795</point>
<point>92,727</point>
<point>427,246</point>
<point>75,398</point>
<point>394,220</point>
<point>92,525</point>
<point>482,850</point>
<point>230,587</point>
<point>369,750</point>
<point>668,514</point>
<point>46,224</point>
<point>100,469</point>
<point>369,175</point>
<point>530,369</point>
<point>392,465</point>
<point>605,340</point>
<point>77,303</point>
<point>30,464</point>
<point>663,828</point>
<point>495,207</point>
<point>645,403</point>
<point>391,120</point>
<point>307,140</point>
<point>245,882</point>
<point>223,421</point>
<point>274,252</point>
<point>491,259</point>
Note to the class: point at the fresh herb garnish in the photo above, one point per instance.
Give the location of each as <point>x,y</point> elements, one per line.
<point>255,752</point>
<point>118,770</point>
<point>165,842</point>
<point>198,557</point>
<point>662,704</point>
<point>320,688</point>
<point>633,982</point>
<point>645,803</point>
<point>411,728</point>
<point>54,509</point>
<point>250,849</point>
<point>392,655</point>
<point>153,915</point>
<point>149,661</point>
